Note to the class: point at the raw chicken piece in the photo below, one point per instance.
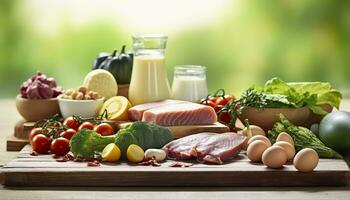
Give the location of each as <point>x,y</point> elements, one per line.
<point>181,114</point>
<point>136,112</point>
<point>206,147</point>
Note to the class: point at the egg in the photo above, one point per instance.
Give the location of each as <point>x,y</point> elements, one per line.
<point>290,150</point>
<point>283,136</point>
<point>274,157</point>
<point>256,149</point>
<point>306,160</point>
<point>259,137</point>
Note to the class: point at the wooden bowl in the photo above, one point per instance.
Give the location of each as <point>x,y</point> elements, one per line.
<point>267,117</point>
<point>33,110</point>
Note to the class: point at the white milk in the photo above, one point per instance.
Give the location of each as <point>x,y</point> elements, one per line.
<point>189,88</point>
<point>149,80</point>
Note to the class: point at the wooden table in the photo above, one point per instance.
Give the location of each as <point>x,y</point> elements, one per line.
<point>9,116</point>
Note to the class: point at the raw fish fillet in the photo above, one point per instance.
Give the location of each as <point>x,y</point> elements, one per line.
<point>136,112</point>
<point>206,147</point>
<point>181,114</point>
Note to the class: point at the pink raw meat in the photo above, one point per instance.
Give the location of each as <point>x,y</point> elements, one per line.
<point>206,147</point>
<point>136,112</point>
<point>181,114</point>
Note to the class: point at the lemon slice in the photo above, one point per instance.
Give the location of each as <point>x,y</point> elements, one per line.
<point>117,108</point>
<point>111,153</point>
<point>135,153</point>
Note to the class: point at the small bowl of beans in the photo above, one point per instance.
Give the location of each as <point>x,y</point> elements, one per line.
<point>80,102</point>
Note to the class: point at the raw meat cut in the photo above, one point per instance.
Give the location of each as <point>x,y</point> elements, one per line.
<point>181,114</point>
<point>206,147</point>
<point>136,112</point>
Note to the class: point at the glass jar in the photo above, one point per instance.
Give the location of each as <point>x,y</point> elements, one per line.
<point>189,83</point>
<point>149,80</point>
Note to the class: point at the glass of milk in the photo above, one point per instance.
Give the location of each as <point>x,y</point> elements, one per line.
<point>189,83</point>
<point>149,80</point>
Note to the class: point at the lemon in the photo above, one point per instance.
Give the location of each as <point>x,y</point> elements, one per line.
<point>111,153</point>
<point>135,153</point>
<point>117,108</point>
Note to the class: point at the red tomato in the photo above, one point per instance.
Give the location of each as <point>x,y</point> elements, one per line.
<point>33,133</point>
<point>217,108</point>
<point>68,133</point>
<point>225,117</point>
<point>60,146</point>
<point>104,129</point>
<point>71,123</point>
<point>86,125</point>
<point>41,144</point>
<point>208,103</point>
<point>224,100</point>
<point>213,99</point>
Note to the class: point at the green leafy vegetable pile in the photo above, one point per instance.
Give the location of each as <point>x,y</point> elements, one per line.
<point>86,143</point>
<point>303,138</point>
<point>279,94</point>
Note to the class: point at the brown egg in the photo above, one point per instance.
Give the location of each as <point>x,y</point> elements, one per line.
<point>256,149</point>
<point>290,150</point>
<point>283,136</point>
<point>274,157</point>
<point>306,160</point>
<point>259,137</point>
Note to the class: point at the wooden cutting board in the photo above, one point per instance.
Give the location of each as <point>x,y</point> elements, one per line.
<point>43,170</point>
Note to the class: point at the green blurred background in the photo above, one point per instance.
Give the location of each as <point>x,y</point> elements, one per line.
<point>239,41</point>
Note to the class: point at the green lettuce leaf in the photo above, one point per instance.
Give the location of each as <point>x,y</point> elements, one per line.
<point>304,94</point>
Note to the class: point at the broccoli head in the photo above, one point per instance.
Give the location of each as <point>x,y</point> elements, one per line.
<point>86,143</point>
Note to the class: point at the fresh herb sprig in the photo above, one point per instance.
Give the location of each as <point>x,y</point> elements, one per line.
<point>250,98</point>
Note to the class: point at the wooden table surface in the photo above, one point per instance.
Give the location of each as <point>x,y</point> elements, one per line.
<point>9,116</point>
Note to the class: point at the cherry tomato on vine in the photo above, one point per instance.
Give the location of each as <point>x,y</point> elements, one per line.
<point>33,133</point>
<point>41,144</point>
<point>225,117</point>
<point>60,146</point>
<point>68,134</point>
<point>86,125</point>
<point>224,100</point>
<point>207,102</point>
<point>104,129</point>
<point>213,99</point>
<point>217,108</point>
<point>71,123</point>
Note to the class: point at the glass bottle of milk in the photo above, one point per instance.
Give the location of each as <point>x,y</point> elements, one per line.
<point>190,83</point>
<point>149,80</point>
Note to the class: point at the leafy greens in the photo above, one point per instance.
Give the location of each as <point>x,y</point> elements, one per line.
<point>280,94</point>
<point>302,137</point>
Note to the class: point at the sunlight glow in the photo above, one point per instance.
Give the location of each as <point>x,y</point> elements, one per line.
<point>135,15</point>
